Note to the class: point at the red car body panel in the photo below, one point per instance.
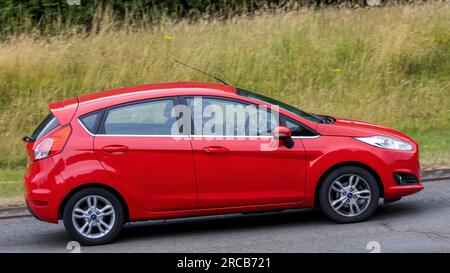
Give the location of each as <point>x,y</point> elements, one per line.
<point>145,170</point>
<point>346,127</point>
<point>163,177</point>
<point>64,110</point>
<point>260,181</point>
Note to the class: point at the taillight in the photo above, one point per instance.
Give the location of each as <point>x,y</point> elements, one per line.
<point>53,144</point>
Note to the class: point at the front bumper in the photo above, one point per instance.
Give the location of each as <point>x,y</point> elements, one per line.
<point>396,192</point>
<point>407,183</point>
<point>398,162</point>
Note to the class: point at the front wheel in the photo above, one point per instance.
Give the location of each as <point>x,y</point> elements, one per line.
<point>93,216</point>
<point>349,194</point>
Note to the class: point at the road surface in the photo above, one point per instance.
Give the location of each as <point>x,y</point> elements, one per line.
<point>418,223</point>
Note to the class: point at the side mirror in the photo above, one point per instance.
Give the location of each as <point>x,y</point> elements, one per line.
<point>281,132</point>
<point>284,134</point>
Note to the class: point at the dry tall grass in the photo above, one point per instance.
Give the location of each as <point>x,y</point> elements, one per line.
<point>388,65</point>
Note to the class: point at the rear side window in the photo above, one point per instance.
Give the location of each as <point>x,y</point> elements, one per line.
<point>48,124</point>
<point>144,118</point>
<point>89,121</point>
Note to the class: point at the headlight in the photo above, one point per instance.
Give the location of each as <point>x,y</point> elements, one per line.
<point>386,143</point>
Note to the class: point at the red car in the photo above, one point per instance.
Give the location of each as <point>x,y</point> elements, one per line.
<point>124,155</point>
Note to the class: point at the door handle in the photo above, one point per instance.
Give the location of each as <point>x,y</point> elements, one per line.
<point>115,149</point>
<point>216,150</point>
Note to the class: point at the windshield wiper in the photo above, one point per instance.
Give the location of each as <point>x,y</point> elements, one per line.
<point>27,139</point>
<point>326,119</point>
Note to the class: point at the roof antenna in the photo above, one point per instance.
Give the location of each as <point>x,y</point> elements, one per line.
<point>204,73</point>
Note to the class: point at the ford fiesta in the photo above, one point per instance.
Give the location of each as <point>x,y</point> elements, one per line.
<point>170,150</point>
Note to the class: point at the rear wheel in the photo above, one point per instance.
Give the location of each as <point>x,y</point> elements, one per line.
<point>349,194</point>
<point>93,216</point>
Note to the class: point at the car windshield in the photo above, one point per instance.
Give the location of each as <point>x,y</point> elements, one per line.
<point>293,110</point>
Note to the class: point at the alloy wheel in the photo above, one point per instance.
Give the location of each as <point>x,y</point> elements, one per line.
<point>93,216</point>
<point>349,195</point>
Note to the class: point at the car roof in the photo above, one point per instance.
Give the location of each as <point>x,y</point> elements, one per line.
<point>65,110</point>
<point>154,87</point>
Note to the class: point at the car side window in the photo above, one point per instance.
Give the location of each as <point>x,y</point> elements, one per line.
<point>217,116</point>
<point>297,128</point>
<point>143,118</point>
<point>90,120</point>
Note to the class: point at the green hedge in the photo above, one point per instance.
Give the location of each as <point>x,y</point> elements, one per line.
<point>51,15</point>
<point>41,12</point>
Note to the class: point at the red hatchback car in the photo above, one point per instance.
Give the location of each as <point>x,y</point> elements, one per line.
<point>170,150</point>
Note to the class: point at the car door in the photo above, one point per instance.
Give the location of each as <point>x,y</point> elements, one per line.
<point>234,166</point>
<point>154,167</point>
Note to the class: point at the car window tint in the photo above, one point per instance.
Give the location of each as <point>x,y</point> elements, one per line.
<point>48,124</point>
<point>146,118</point>
<point>298,129</point>
<point>89,121</point>
<point>215,116</point>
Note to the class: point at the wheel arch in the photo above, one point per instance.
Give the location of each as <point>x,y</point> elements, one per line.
<point>95,185</point>
<point>343,164</point>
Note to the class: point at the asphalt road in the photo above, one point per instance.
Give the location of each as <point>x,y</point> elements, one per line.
<point>419,223</point>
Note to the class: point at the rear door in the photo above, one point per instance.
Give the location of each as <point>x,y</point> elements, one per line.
<point>136,147</point>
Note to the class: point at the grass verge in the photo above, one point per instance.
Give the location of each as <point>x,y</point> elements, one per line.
<point>11,187</point>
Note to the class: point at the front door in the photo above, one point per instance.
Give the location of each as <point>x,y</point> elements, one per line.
<point>235,166</point>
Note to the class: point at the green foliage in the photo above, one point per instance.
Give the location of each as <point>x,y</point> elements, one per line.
<point>51,16</point>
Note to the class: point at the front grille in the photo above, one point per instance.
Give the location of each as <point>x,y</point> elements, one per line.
<point>406,179</point>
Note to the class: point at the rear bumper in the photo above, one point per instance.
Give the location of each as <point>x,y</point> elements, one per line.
<point>31,211</point>
<point>47,212</point>
<point>40,189</point>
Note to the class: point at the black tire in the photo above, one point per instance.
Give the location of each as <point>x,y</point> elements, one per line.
<point>116,225</point>
<point>324,193</point>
